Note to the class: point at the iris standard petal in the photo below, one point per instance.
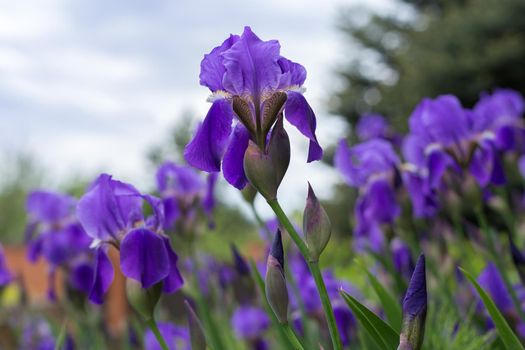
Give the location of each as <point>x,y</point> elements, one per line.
<point>212,68</point>
<point>48,206</point>
<point>103,276</point>
<point>299,113</point>
<point>292,74</point>
<point>207,147</point>
<point>143,257</point>
<point>232,165</point>
<point>108,207</point>
<point>251,66</point>
<point>182,180</point>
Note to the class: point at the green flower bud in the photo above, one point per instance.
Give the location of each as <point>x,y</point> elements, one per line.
<point>198,340</point>
<point>266,168</point>
<point>276,291</point>
<point>143,300</point>
<point>316,225</point>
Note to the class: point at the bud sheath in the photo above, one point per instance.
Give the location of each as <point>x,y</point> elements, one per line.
<point>276,290</point>
<point>316,225</point>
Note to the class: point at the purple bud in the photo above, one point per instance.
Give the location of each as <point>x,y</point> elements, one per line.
<point>240,264</point>
<point>414,309</point>
<point>276,291</point>
<point>316,225</point>
<point>198,340</point>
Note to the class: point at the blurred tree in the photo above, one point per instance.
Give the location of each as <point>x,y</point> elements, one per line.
<point>427,48</point>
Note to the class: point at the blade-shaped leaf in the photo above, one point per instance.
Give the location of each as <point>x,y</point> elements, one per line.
<point>388,301</point>
<point>61,337</point>
<point>381,332</point>
<point>507,336</point>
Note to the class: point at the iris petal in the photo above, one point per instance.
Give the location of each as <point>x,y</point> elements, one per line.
<point>232,166</point>
<point>143,257</point>
<point>103,276</point>
<point>299,113</point>
<point>206,149</point>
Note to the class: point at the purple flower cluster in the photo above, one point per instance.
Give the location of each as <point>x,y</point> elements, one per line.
<point>54,233</point>
<point>444,138</point>
<point>252,84</point>
<point>183,192</point>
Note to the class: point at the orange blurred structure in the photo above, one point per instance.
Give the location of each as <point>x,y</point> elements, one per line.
<point>33,278</point>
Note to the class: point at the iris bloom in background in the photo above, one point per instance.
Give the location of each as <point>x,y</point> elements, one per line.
<point>183,191</point>
<point>251,84</point>
<point>5,276</point>
<point>371,167</point>
<point>250,323</point>
<point>177,338</point>
<point>111,213</point>
<point>54,233</point>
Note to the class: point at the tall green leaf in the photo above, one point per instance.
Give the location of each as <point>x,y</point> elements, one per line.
<point>380,331</point>
<point>388,301</point>
<point>61,337</point>
<point>507,336</point>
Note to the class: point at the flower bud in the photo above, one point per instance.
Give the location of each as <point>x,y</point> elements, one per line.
<point>243,285</point>
<point>279,150</point>
<point>249,193</point>
<point>276,291</point>
<point>266,168</point>
<point>316,225</point>
<point>414,309</point>
<point>143,300</point>
<point>198,340</point>
<point>260,171</point>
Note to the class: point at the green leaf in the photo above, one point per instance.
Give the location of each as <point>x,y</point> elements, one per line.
<point>507,336</point>
<point>388,301</point>
<point>380,331</point>
<point>61,337</point>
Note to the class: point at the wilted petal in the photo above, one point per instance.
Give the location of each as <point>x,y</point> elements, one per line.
<point>143,257</point>
<point>299,113</point>
<point>212,68</point>
<point>232,165</point>
<point>207,147</point>
<point>251,65</point>
<point>174,281</point>
<point>103,276</point>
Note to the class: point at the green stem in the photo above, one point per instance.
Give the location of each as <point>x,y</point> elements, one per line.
<point>314,269</point>
<point>292,336</point>
<point>498,261</point>
<point>153,326</point>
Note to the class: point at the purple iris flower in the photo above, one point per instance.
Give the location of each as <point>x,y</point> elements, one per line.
<point>371,126</point>
<point>54,233</point>
<point>402,258</point>
<point>490,279</point>
<point>5,276</point>
<point>183,190</point>
<point>37,335</point>
<point>111,213</point>
<point>371,167</point>
<point>249,322</point>
<point>177,338</point>
<point>500,115</point>
<point>251,83</point>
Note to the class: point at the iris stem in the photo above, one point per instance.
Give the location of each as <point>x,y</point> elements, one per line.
<point>314,269</point>
<point>292,336</point>
<point>153,326</point>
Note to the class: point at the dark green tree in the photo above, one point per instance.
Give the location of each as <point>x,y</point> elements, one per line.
<point>427,48</point>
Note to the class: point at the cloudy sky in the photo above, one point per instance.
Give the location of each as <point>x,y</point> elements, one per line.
<point>89,86</point>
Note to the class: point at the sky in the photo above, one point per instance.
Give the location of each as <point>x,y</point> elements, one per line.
<point>91,86</point>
